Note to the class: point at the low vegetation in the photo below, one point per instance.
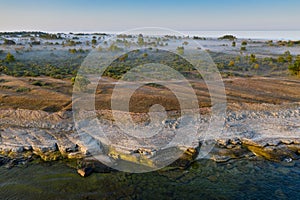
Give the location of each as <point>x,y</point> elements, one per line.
<point>64,62</point>
<point>294,68</point>
<point>227,37</point>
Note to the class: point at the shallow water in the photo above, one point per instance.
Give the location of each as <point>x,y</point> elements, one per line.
<point>237,179</point>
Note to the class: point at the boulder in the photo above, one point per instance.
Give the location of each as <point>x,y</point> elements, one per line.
<point>84,172</point>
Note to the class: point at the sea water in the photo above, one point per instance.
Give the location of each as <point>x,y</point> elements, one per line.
<point>205,179</point>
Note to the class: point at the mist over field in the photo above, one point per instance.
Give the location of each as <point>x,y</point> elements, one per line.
<point>149,100</point>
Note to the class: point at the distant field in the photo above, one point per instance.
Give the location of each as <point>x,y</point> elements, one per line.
<point>38,69</point>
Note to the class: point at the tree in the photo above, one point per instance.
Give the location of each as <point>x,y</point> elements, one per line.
<point>3,69</point>
<point>231,63</point>
<point>233,43</point>
<point>81,82</point>
<point>280,59</point>
<point>288,56</point>
<point>180,50</point>
<point>94,41</point>
<point>256,66</point>
<point>9,57</point>
<point>227,37</point>
<point>270,43</point>
<point>295,68</point>
<point>252,58</point>
<point>114,48</point>
<point>9,42</point>
<point>123,57</point>
<point>244,43</point>
<point>243,48</point>
<point>185,43</point>
<point>72,51</point>
<point>141,40</point>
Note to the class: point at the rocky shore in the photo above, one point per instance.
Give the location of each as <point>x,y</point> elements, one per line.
<point>272,132</point>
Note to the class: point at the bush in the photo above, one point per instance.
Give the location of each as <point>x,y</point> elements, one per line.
<point>243,48</point>
<point>81,82</point>
<point>36,43</point>
<point>185,43</point>
<point>252,58</point>
<point>231,63</point>
<point>233,43</point>
<point>3,81</point>
<point>114,48</point>
<point>295,68</point>
<point>23,89</point>
<point>227,37</point>
<point>9,58</point>
<point>288,56</point>
<point>280,59</point>
<point>72,51</point>
<point>256,66</point>
<point>244,43</point>
<point>37,83</point>
<point>9,42</point>
<point>94,41</point>
<point>180,50</point>
<point>199,38</point>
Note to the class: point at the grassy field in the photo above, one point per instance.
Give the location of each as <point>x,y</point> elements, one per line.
<point>38,73</point>
<point>49,94</point>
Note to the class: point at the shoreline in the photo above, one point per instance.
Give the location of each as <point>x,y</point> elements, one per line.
<point>247,133</point>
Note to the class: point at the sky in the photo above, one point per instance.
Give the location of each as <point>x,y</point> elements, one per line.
<point>118,15</point>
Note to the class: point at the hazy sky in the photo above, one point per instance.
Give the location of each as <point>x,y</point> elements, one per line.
<point>98,15</point>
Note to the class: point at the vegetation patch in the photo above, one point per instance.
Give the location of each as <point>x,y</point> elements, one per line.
<point>23,89</point>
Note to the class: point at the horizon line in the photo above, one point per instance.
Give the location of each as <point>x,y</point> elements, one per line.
<point>124,30</point>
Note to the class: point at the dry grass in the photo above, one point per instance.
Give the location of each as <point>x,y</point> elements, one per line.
<point>20,93</point>
<point>56,94</point>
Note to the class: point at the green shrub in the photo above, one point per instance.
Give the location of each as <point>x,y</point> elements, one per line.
<point>6,87</point>
<point>233,44</point>
<point>9,57</point>
<point>180,50</point>
<point>295,67</point>
<point>23,89</point>
<point>244,43</point>
<point>243,48</point>
<point>94,41</point>
<point>253,58</point>
<point>37,83</point>
<point>9,42</point>
<point>81,82</point>
<point>72,51</point>
<point>227,37</point>
<point>3,80</point>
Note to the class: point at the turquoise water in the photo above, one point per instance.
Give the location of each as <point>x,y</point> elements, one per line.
<point>237,179</point>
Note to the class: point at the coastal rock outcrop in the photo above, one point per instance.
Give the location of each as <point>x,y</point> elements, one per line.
<point>272,133</point>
